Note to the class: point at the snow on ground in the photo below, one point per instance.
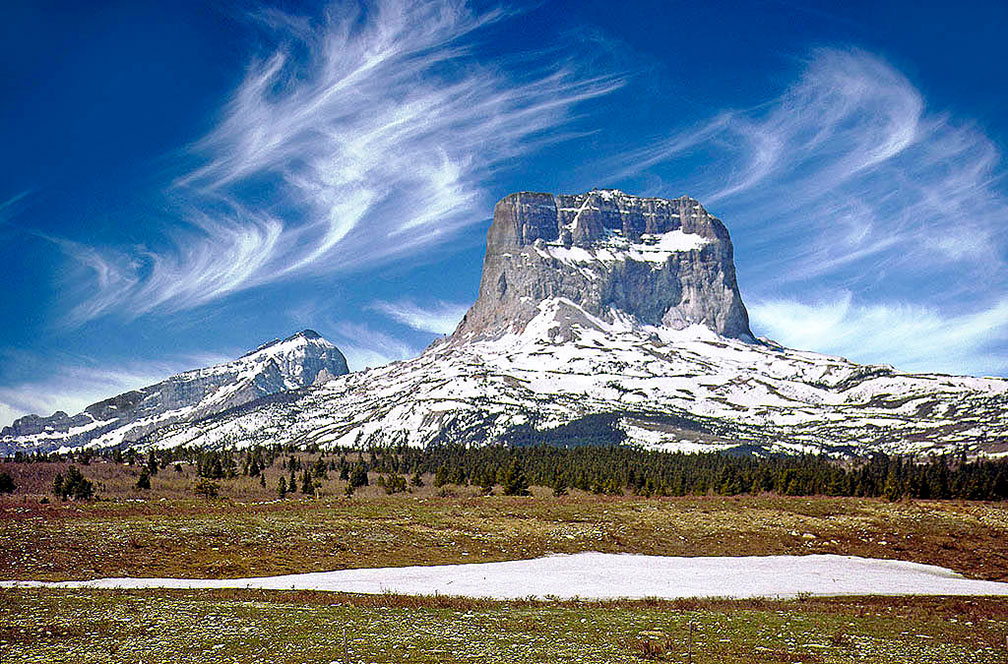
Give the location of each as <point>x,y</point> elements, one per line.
<point>609,575</point>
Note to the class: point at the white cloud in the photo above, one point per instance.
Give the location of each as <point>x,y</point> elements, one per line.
<point>849,176</point>
<point>438,317</point>
<point>363,136</point>
<point>849,182</point>
<point>365,347</point>
<point>909,336</point>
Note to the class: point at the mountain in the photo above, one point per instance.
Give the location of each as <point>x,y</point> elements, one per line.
<point>609,318</point>
<point>660,262</point>
<point>296,362</point>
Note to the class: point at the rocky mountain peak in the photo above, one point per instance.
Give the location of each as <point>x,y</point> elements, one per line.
<point>301,338</point>
<point>663,262</point>
<point>299,361</point>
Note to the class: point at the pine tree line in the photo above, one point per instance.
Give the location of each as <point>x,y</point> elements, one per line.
<point>597,469</point>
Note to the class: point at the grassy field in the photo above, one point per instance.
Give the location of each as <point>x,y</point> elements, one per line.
<point>248,531</point>
<point>190,537</point>
<point>288,627</point>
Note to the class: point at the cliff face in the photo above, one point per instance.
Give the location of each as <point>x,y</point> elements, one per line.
<point>602,318</point>
<point>661,262</point>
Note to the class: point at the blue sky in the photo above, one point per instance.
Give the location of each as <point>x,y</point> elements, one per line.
<point>179,183</point>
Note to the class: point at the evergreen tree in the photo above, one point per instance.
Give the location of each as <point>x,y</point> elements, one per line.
<point>514,481</point>
<point>143,482</point>
<point>74,486</point>
<point>282,487</point>
<point>559,485</point>
<point>358,476</point>
<point>206,488</point>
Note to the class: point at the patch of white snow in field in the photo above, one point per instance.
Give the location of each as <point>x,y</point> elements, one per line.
<point>610,575</point>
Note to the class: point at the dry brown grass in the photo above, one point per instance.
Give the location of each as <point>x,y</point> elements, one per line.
<point>249,532</point>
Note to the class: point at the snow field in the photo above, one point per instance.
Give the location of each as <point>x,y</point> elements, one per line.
<point>593,575</point>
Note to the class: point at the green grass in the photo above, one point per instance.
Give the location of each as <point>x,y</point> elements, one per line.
<point>281,627</point>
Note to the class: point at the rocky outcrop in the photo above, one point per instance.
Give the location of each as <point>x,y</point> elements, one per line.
<point>292,363</point>
<point>662,262</point>
<point>602,318</point>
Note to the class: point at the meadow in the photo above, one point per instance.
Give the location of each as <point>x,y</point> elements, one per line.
<point>247,530</point>
<point>303,627</point>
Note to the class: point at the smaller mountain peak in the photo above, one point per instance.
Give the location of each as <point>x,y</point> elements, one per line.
<point>306,333</point>
<point>262,347</point>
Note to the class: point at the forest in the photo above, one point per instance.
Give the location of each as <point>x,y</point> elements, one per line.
<point>611,470</point>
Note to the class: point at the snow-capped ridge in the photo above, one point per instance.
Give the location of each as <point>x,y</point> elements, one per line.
<point>303,337</point>
<point>293,363</point>
<point>607,318</point>
<point>602,318</point>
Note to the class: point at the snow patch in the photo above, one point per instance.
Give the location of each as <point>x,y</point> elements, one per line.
<point>607,576</point>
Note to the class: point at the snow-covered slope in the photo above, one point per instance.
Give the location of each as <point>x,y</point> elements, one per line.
<point>602,317</point>
<point>605,317</point>
<point>296,362</point>
<point>572,377</point>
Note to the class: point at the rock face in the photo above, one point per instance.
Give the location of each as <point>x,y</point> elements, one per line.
<point>602,318</point>
<point>293,363</point>
<point>605,318</point>
<point>662,262</point>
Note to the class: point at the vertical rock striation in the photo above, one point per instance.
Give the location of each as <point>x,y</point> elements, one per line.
<point>662,262</point>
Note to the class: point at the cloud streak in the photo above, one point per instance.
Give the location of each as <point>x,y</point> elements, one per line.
<point>910,337</point>
<point>366,347</point>
<point>77,384</point>
<point>848,186</point>
<point>439,317</point>
<point>847,177</point>
<point>362,136</point>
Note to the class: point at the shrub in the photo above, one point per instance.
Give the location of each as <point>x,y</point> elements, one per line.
<point>206,488</point>
<point>74,486</point>
<point>143,482</point>
<point>6,483</point>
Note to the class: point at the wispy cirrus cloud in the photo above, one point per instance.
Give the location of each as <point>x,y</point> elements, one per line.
<point>8,206</point>
<point>366,347</point>
<point>848,190</point>
<point>910,337</point>
<point>438,317</point>
<point>363,135</point>
<point>849,177</point>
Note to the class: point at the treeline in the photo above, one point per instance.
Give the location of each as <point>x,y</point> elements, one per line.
<point>615,470</point>
<point>611,470</point>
